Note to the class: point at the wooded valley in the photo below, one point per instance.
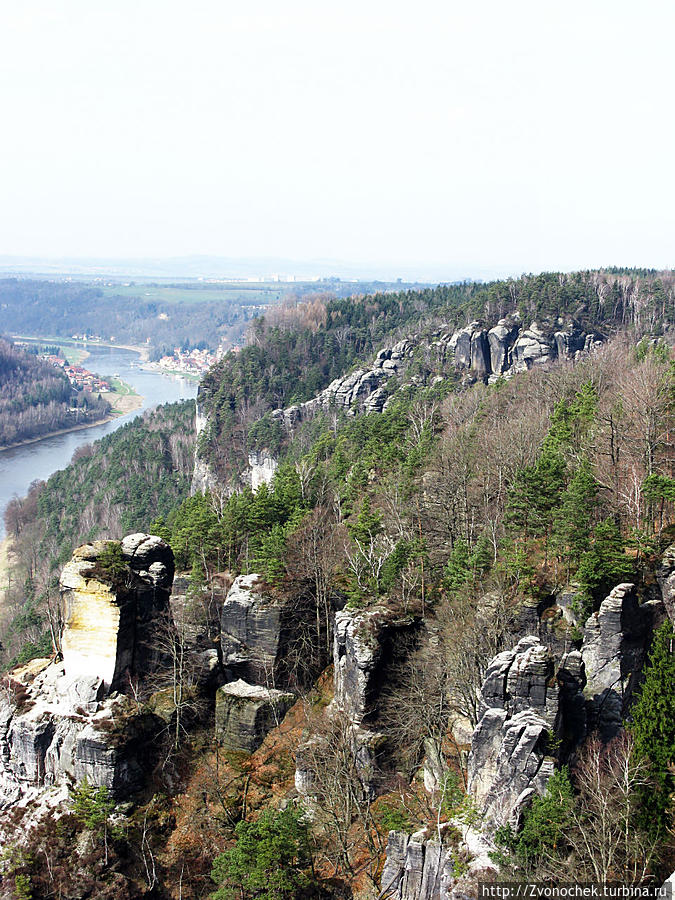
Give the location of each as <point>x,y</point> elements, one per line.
<point>448,573</point>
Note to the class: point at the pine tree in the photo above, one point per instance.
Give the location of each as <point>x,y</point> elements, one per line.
<point>572,522</point>
<point>653,729</point>
<point>605,564</point>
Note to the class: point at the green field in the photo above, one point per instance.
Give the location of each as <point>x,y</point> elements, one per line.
<point>239,293</point>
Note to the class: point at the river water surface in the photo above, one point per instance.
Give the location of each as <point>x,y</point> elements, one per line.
<point>20,466</point>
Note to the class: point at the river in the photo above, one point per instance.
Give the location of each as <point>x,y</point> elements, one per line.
<point>20,466</point>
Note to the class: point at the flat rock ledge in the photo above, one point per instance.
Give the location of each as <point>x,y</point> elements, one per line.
<point>245,713</point>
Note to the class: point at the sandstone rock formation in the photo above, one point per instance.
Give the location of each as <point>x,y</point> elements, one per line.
<point>416,868</point>
<point>55,726</point>
<point>501,339</point>
<point>511,751</point>
<point>270,638</point>
<point>203,477</point>
<point>423,867</point>
<point>59,719</point>
<point>362,646</point>
<point>245,713</point>
<point>666,577</point>
<point>613,650</point>
<point>111,614</point>
<point>250,628</point>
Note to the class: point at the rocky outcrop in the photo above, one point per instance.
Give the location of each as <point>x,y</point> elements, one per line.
<point>66,719</point>
<point>613,650</point>
<point>666,579</point>
<point>113,606</point>
<point>416,868</point>
<point>501,339</point>
<point>533,348</point>
<point>423,866</point>
<point>250,628</point>
<point>245,713</point>
<point>203,477</point>
<point>521,719</point>
<point>270,637</point>
<point>364,643</point>
<point>362,390</point>
<point>55,726</point>
<point>261,469</point>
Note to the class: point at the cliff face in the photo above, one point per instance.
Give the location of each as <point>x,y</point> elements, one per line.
<point>65,719</point>
<point>478,351</point>
<point>111,618</point>
<point>513,746</point>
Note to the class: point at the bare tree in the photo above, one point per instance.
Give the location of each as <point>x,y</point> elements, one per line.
<point>608,842</point>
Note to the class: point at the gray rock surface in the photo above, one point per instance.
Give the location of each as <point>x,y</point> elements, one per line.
<point>613,650</point>
<point>245,713</point>
<point>533,348</point>
<point>250,627</point>
<point>511,756</point>
<point>416,868</point>
<point>501,339</point>
<point>203,477</point>
<point>359,658</point>
<point>54,727</point>
<point>666,578</point>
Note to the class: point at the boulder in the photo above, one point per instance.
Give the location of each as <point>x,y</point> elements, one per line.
<point>245,713</point>
<point>532,348</point>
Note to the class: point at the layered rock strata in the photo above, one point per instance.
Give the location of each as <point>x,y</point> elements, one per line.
<point>416,868</point>
<point>512,750</point>
<point>55,726</point>
<point>245,713</point>
<point>65,719</point>
<point>112,610</point>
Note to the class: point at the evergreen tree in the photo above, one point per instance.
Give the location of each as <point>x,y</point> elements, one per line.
<point>271,860</point>
<point>605,564</point>
<point>458,568</point>
<point>572,521</point>
<point>653,729</point>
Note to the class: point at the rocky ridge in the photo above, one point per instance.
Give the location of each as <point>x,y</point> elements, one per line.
<point>65,719</point>
<point>477,351</point>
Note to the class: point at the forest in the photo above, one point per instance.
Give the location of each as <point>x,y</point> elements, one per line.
<point>463,516</point>
<point>36,398</point>
<point>162,316</point>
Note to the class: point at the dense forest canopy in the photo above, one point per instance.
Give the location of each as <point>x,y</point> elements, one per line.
<point>295,351</point>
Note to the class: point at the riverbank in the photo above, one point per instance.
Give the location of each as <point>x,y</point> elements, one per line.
<point>121,406</point>
<point>142,349</point>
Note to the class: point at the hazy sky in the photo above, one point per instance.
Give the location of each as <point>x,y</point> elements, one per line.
<point>484,135</point>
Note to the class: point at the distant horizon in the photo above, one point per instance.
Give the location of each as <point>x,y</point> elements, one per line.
<point>216,268</point>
